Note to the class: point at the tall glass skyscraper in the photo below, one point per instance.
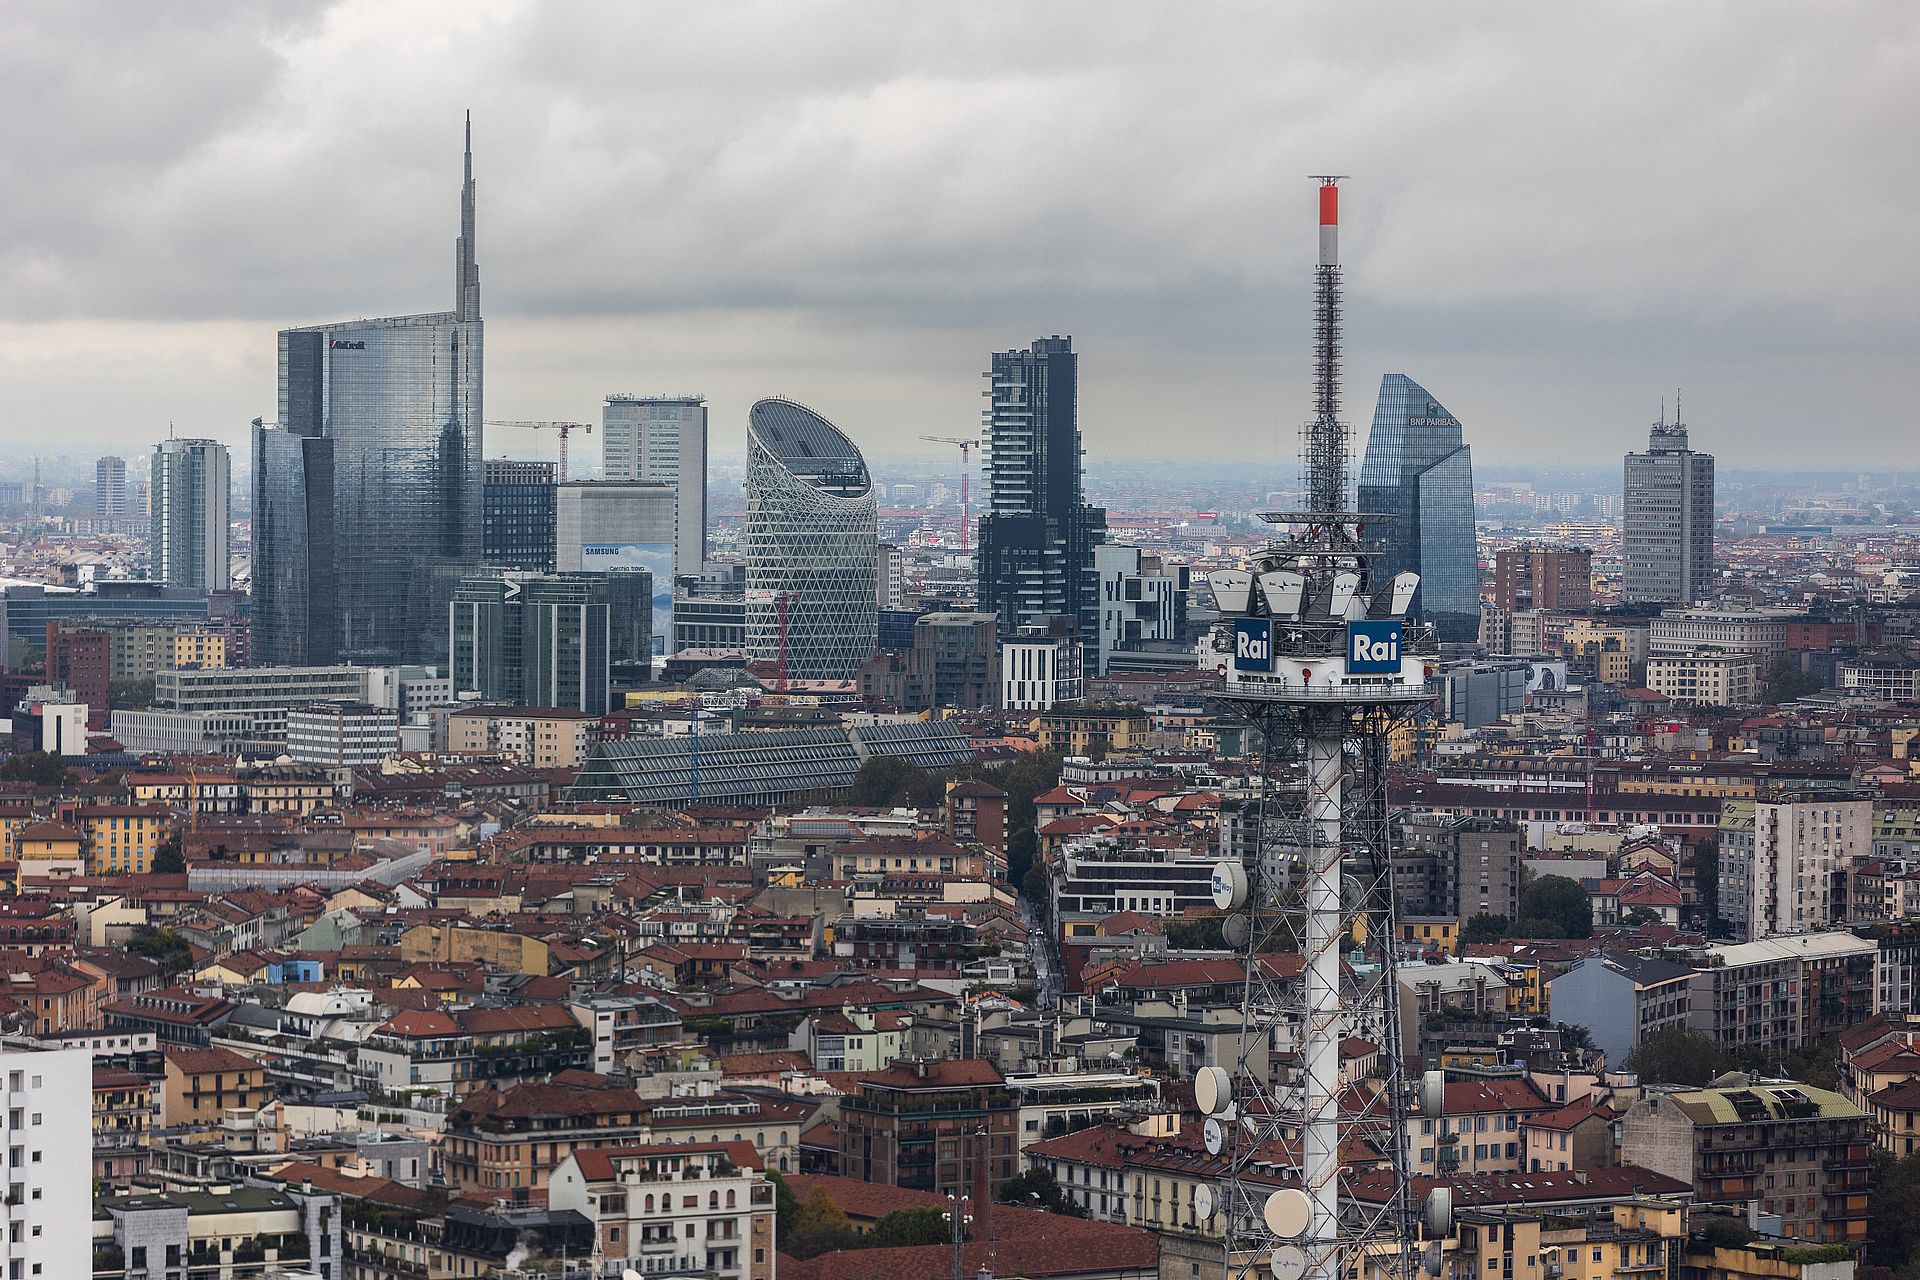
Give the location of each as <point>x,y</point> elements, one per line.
<point>1038,534</point>
<point>398,401</point>
<point>812,542</point>
<point>189,493</point>
<point>1419,472</point>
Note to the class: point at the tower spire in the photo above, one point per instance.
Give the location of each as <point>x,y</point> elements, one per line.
<point>466,271</point>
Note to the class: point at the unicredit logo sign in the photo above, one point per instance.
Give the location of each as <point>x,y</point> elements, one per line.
<point>338,345</point>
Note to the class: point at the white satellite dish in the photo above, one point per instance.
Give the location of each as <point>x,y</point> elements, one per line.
<point>1213,1090</point>
<point>1202,1203</point>
<point>1229,885</point>
<point>1216,1137</point>
<point>629,1274</point>
<point>1439,1211</point>
<point>1288,1262</point>
<point>1287,1212</point>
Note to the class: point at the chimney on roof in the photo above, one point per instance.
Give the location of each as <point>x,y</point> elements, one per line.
<point>920,1067</point>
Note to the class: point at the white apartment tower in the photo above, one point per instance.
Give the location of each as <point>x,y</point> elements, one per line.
<point>190,489</point>
<point>1778,871</point>
<point>49,1201</point>
<point>663,440</point>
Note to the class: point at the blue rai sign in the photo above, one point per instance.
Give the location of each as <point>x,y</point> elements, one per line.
<point>1373,648</point>
<point>1252,644</point>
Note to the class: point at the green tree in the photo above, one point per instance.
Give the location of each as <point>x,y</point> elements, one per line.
<point>1639,916</point>
<point>1037,1188</point>
<point>905,1227</point>
<point>1705,861</point>
<point>1785,681</point>
<point>42,768</point>
<point>1196,933</point>
<point>1678,1056</point>
<point>169,857</point>
<point>819,1226</point>
<point>130,695</point>
<point>162,946</point>
<point>1484,928</point>
<point>1727,1233</point>
<point>884,781</point>
<point>786,1206</point>
<point>1893,1214</point>
<point>1560,900</point>
<point>1023,846</point>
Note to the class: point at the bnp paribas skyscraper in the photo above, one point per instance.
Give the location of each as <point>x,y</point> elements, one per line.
<point>367,492</point>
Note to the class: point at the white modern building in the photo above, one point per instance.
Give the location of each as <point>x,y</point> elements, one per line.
<point>1038,670</point>
<point>342,733</point>
<point>608,526</point>
<point>1142,598</point>
<point>662,440</point>
<point>1779,861</point>
<point>49,1201</point>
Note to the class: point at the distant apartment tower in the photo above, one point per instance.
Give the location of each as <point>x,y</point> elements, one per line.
<point>1037,538</point>
<point>890,577</point>
<point>1784,866</point>
<point>1666,531</point>
<point>1142,599</point>
<point>517,514</point>
<point>1543,577</point>
<point>663,440</point>
<point>190,489</point>
<point>1418,472</point>
<point>811,542</point>
<point>533,641</point>
<point>110,488</point>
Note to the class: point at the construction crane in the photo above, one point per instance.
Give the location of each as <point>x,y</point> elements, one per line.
<point>564,428</point>
<point>966,475</point>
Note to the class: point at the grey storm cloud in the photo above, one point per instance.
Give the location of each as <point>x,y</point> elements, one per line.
<point>1555,213</point>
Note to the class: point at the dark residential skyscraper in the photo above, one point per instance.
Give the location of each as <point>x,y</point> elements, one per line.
<point>397,401</point>
<point>1666,522</point>
<point>1038,534</point>
<point>1419,472</point>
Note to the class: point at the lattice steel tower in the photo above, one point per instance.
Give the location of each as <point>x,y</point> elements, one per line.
<point>1323,663</point>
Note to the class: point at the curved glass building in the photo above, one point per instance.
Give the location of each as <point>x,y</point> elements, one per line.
<point>1419,471</point>
<point>812,540</point>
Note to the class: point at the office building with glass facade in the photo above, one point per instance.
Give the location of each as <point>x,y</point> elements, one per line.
<point>1037,538</point>
<point>398,402</point>
<point>663,440</point>
<point>517,514</point>
<point>1418,473</point>
<point>190,491</point>
<point>1666,522</point>
<point>535,641</point>
<point>812,544</point>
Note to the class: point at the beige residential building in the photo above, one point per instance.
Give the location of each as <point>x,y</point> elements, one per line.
<point>541,737</point>
<point>1705,677</point>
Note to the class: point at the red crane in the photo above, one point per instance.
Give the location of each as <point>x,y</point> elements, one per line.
<point>966,476</point>
<point>564,428</point>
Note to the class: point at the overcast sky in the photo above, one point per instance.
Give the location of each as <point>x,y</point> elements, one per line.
<point>1556,213</point>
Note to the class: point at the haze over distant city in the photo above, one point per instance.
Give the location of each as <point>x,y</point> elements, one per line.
<point>1555,214</point>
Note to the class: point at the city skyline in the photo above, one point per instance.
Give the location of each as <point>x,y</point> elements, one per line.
<point>788,241</point>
